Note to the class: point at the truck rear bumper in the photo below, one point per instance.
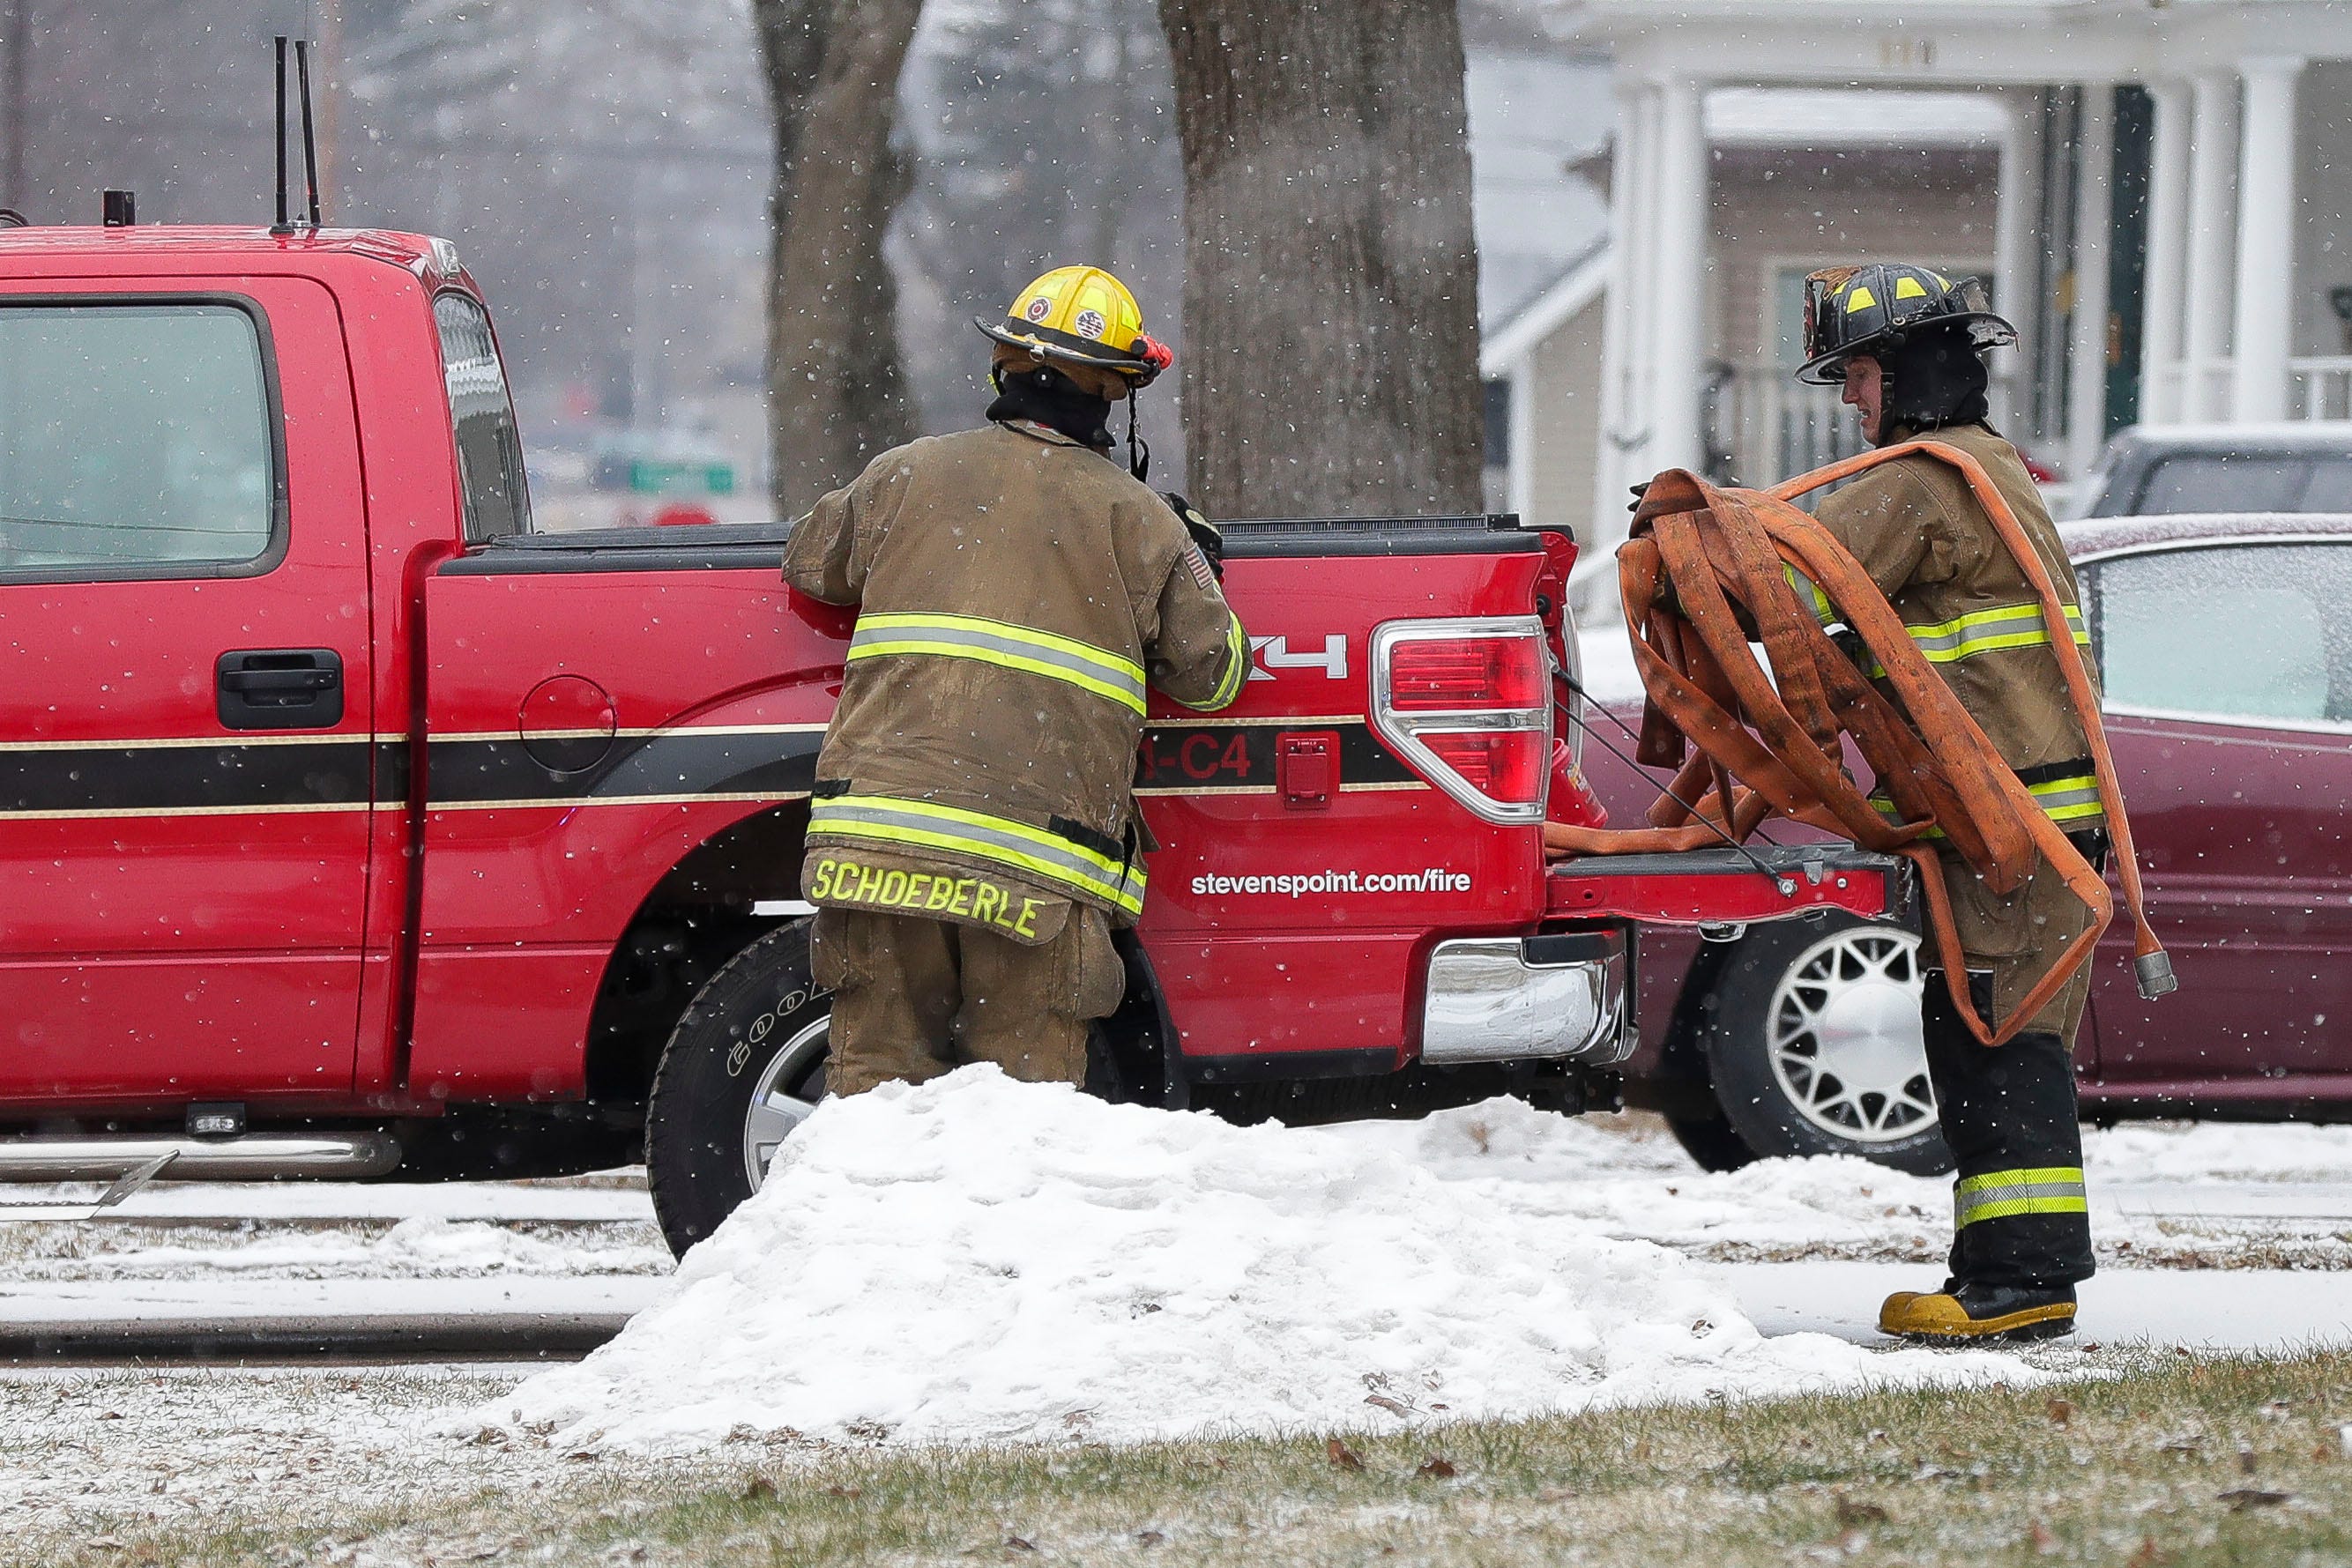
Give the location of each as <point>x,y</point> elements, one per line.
<point>1729,888</point>
<point>1526,999</point>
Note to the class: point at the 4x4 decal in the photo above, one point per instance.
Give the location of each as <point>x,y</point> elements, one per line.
<point>1274,654</point>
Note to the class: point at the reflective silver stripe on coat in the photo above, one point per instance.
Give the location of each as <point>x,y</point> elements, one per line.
<point>998,642</point>
<point>1039,850</point>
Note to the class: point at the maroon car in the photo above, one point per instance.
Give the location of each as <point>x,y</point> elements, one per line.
<point>2224,645</point>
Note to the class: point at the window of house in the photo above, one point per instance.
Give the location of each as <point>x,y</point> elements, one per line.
<point>490,451</point>
<point>136,439</point>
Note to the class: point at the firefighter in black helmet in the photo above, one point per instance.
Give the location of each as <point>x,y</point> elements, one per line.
<point>1907,344</point>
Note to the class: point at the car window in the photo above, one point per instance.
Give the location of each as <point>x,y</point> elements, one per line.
<point>2330,489</point>
<point>2242,632</point>
<point>489,453</point>
<point>2222,482</point>
<point>134,439</point>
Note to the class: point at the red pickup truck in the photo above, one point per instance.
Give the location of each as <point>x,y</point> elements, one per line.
<point>352,828</point>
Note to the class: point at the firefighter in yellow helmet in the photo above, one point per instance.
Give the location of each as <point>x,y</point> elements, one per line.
<point>973,839</point>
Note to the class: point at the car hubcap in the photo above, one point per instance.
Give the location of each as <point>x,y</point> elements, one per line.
<point>1842,1033</point>
<point>788,1090</point>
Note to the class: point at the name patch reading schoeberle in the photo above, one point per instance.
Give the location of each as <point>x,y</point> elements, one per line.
<point>976,899</point>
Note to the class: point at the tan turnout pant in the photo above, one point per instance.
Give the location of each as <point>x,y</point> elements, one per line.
<point>915,997</point>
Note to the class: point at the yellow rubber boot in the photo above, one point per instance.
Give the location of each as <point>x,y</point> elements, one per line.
<point>1978,1312</point>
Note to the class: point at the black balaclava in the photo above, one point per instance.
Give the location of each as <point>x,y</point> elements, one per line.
<point>1051,398</point>
<point>1934,379</point>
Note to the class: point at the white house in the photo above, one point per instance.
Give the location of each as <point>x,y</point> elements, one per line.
<point>2155,191</point>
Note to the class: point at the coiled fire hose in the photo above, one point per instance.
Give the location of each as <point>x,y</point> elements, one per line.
<point>1705,569</point>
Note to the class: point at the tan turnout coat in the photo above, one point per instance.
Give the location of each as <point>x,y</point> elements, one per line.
<point>1017,593</point>
<point>1917,529</point>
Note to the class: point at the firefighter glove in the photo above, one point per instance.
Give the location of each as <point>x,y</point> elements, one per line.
<point>1206,533</point>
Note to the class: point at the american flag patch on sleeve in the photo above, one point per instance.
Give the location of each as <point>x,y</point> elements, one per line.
<point>1198,565</point>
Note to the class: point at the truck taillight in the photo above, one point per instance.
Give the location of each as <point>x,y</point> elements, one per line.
<point>1449,673</point>
<point>1466,702</point>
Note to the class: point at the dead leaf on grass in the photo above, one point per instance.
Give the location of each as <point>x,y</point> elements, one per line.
<point>1437,1468</point>
<point>759,1489</point>
<point>1393,1407</point>
<point>837,1489</point>
<point>2062,1412</point>
<point>1148,1538</point>
<point>1850,1512</point>
<point>2243,1498</point>
<point>2148,1555</point>
<point>2043,1540</point>
<point>1019,1543</point>
<point>1343,1457</point>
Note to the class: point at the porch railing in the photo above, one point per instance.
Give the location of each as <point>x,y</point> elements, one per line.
<point>1763,425</point>
<point>2319,386</point>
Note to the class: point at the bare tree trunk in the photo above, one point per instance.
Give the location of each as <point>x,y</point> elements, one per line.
<point>1331,272</point>
<point>837,392</point>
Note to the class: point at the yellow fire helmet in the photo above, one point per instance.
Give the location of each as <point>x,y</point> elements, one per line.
<point>1085,315</point>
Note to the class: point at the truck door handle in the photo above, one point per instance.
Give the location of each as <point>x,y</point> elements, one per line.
<point>279,688</point>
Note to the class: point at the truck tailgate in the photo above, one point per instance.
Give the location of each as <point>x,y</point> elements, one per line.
<point>1724,886</point>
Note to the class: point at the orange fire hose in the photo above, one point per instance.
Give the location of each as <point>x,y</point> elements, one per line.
<point>1703,574</point>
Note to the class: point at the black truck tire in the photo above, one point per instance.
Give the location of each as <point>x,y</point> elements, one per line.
<point>1806,1045</point>
<point>755,1029</point>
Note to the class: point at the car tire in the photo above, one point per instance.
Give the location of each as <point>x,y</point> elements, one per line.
<point>1811,1038</point>
<point>743,1068</point>
<point>1711,1142</point>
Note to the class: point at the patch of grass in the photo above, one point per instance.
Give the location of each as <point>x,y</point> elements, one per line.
<point>2169,1460</point>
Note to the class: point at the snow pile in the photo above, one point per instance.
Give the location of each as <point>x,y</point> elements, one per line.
<point>2218,1152</point>
<point>976,1259</point>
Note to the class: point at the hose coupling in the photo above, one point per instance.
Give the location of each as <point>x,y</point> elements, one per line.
<point>2154,971</point>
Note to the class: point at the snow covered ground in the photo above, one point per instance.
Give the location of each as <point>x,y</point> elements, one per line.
<point>1517,1257</point>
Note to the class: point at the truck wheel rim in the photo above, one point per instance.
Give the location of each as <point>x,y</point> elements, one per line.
<point>1842,1034</point>
<point>788,1090</point>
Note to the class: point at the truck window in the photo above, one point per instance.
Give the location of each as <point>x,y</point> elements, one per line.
<point>2222,482</point>
<point>136,440</point>
<point>489,453</point>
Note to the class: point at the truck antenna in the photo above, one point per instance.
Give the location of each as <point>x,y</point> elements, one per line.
<point>281,227</point>
<point>310,136</point>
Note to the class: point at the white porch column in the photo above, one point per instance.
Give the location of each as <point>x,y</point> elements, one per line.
<point>2167,260</point>
<point>1624,401</point>
<point>2265,316</point>
<point>2212,208</point>
<point>1679,275</point>
<point>2086,356</point>
<point>2017,200</point>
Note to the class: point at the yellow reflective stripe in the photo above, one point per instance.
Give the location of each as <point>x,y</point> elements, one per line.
<point>1004,645</point>
<point>1967,1185</point>
<point>1002,659</point>
<point>2062,800</point>
<point>1986,632</point>
<point>1229,685</point>
<point>2069,800</point>
<point>1824,611</point>
<point>2015,1206</point>
<point>891,819</point>
<point>2003,1194</point>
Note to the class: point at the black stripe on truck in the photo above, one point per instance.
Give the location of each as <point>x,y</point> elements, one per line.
<point>138,779</point>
